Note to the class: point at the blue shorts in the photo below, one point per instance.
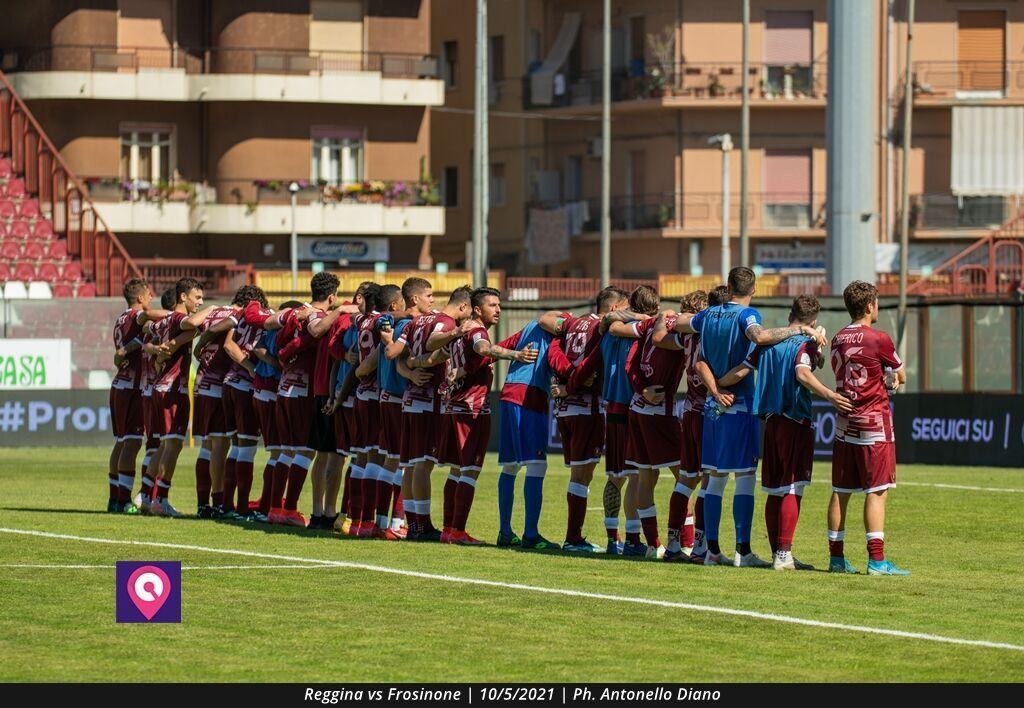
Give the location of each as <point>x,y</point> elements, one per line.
<point>729,440</point>
<point>524,435</point>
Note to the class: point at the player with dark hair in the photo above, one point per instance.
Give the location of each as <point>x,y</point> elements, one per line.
<point>728,333</point>
<point>867,367</point>
<point>170,391</point>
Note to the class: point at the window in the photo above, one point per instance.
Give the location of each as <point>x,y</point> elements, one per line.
<point>496,60</point>
<point>497,182</point>
<point>945,348</point>
<point>789,52</point>
<point>636,37</point>
<point>450,186</point>
<point>787,179</point>
<point>337,156</point>
<point>993,348</point>
<point>450,64</point>
<point>981,53</point>
<point>147,153</point>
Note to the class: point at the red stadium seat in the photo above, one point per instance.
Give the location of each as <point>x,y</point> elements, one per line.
<point>19,229</point>
<point>86,290</point>
<point>30,208</point>
<point>63,290</point>
<point>73,271</point>
<point>7,209</point>
<point>23,270</point>
<point>48,271</point>
<point>6,169</point>
<point>10,249</point>
<point>58,249</point>
<point>42,230</point>
<point>15,187</point>
<point>5,271</point>
<point>33,250</point>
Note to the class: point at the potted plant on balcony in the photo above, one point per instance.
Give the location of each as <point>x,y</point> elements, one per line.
<point>427,192</point>
<point>715,87</point>
<point>663,47</point>
<point>665,215</point>
<point>105,189</point>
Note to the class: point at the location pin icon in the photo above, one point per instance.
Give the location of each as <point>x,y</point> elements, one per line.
<point>148,588</point>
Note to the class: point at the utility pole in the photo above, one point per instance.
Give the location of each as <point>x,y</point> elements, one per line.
<point>908,109</point>
<point>725,141</point>
<point>606,146</point>
<point>481,150</point>
<point>745,137</point>
<point>293,243</point>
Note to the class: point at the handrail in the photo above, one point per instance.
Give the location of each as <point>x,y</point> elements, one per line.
<point>72,187</point>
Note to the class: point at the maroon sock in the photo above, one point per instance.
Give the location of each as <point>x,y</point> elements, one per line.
<point>463,504</point>
<point>835,548</point>
<point>268,484</point>
<point>124,494</point>
<point>355,499</point>
<point>217,498</point>
<point>450,487</point>
<point>296,478</point>
<point>203,482</point>
<point>613,534</point>
<point>112,485</point>
<point>244,472</point>
<point>686,538</point>
<point>397,503</point>
<point>788,515</point>
<point>577,515</point>
<point>384,497</point>
<point>163,489</point>
<point>153,486</point>
<point>698,513</point>
<point>650,526</point>
<point>146,491</point>
<point>346,508</point>
<point>280,481</point>
<point>632,537</point>
<point>876,549</point>
<point>677,505</point>
<point>772,509</point>
<point>230,480</point>
<point>369,506</point>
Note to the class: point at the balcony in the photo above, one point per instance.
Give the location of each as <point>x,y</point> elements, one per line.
<point>220,74</point>
<point>263,207</point>
<point>946,82</point>
<point>705,85</point>
<point>950,212</point>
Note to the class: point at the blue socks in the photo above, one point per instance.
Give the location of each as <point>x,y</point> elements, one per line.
<point>506,497</point>
<point>743,507</point>
<point>533,496</point>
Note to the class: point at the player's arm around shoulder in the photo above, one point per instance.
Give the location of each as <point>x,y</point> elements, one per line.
<point>805,375</point>
<point>663,337</point>
<point>483,346</point>
<point>196,320</point>
<point>553,322</point>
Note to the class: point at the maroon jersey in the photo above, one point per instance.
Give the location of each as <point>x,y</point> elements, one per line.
<point>580,335</point>
<point>247,335</point>
<point>696,391</point>
<point>214,362</point>
<point>148,375</point>
<point>860,356</point>
<point>650,366</point>
<point>126,330</point>
<point>297,354</point>
<point>470,393</point>
<point>368,343</point>
<point>173,378</point>
<point>415,335</point>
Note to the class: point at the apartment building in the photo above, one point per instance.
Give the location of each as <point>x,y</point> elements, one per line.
<point>676,82</point>
<point>192,122</point>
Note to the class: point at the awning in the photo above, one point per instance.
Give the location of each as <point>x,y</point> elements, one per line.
<point>542,80</point>
<point>988,151</point>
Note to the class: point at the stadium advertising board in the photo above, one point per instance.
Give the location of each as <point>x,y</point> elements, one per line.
<point>52,418</point>
<point>960,429</point>
<point>335,249</point>
<point>35,364</point>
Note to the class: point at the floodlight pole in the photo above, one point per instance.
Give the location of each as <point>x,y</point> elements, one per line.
<point>293,245</point>
<point>606,146</point>
<point>908,108</point>
<point>745,138</point>
<point>481,150</point>
<point>725,141</point>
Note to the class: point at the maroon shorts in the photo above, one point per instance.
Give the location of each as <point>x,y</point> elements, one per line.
<point>863,468</point>
<point>691,431</point>
<point>615,435</point>
<point>389,441</point>
<point>652,441</point>
<point>788,455</point>
<point>467,440</point>
<point>582,438</point>
<point>150,422</point>
<point>344,424</point>
<point>208,417</point>
<point>265,413</point>
<point>293,417</point>
<point>367,429</point>
<point>420,435</point>
<point>240,413</point>
<point>126,418</point>
<point>171,410</point>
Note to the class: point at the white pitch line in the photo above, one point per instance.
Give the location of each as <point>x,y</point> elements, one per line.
<point>54,566</point>
<point>959,486</point>
<point>749,614</point>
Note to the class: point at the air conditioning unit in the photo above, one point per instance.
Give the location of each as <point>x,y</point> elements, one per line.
<point>594,147</point>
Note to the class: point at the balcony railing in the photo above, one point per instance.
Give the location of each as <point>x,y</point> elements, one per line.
<point>253,192</point>
<point>216,60</point>
<point>949,211</point>
<point>697,81</point>
<point>968,79</point>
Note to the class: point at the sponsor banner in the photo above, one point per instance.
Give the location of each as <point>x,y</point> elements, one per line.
<point>339,248</point>
<point>784,256</point>
<point>920,255</point>
<point>35,364</point>
<point>960,429</point>
<point>55,418</point>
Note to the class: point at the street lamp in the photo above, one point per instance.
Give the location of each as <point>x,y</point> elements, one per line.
<point>725,141</point>
<point>294,245</point>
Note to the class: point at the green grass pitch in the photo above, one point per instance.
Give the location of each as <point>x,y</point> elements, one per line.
<point>342,623</point>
